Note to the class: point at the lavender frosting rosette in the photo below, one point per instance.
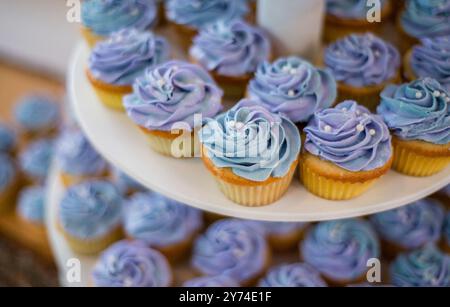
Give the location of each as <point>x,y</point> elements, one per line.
<point>231,248</point>
<point>294,87</point>
<point>411,226</point>
<point>170,93</point>
<point>340,249</point>
<point>211,281</point>
<point>349,136</point>
<point>350,9</point>
<point>125,56</point>
<point>417,111</point>
<point>293,275</point>
<point>231,49</point>
<point>361,60</point>
<point>31,204</point>
<point>35,160</point>
<point>131,264</point>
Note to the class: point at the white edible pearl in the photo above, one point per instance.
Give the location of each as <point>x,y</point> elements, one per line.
<point>344,109</point>
<point>443,95</point>
<point>358,112</point>
<point>436,94</point>
<point>327,128</point>
<point>291,93</point>
<point>447,99</point>
<point>161,82</point>
<point>293,71</point>
<point>418,95</point>
<point>286,68</point>
<point>239,125</point>
<point>232,124</point>
<point>372,132</point>
<point>360,128</point>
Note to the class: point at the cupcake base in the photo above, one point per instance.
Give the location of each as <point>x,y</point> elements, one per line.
<point>408,72</point>
<point>285,242</point>
<point>163,142</point>
<point>70,180</point>
<point>8,197</point>
<point>185,34</point>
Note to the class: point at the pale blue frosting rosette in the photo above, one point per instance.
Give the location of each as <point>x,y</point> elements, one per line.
<point>199,13</point>
<point>231,248</point>
<point>350,9</point>
<point>253,142</point>
<point>426,18</point>
<point>31,204</point>
<point>159,221</point>
<point>35,160</point>
<point>131,264</point>
<point>362,60</point>
<point>446,229</point>
<point>349,136</point>
<point>7,172</point>
<point>294,87</point>
<point>425,267</point>
<point>104,17</point>
<point>171,93</point>
<point>231,48</point>
<point>417,111</point>
<point>411,226</point>
<point>8,139</point>
<point>340,249</point>
<point>36,114</point>
<point>211,281</point>
<point>125,55</point>
<point>293,275</point>
<point>90,209</point>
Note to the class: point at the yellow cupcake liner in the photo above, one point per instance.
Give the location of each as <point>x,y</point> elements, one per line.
<point>164,145</point>
<point>110,99</point>
<point>90,37</point>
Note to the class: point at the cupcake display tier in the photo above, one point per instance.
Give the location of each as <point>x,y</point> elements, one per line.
<point>187,180</point>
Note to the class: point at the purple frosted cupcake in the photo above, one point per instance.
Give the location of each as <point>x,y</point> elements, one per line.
<point>211,281</point>
<point>35,160</point>
<point>293,275</point>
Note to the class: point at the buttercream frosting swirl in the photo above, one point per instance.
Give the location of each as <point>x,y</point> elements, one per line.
<point>446,229</point>
<point>7,172</point>
<point>8,139</point>
<point>31,204</point>
<point>352,9</point>
<point>37,113</point>
<point>211,281</point>
<point>293,275</point>
<point>35,160</point>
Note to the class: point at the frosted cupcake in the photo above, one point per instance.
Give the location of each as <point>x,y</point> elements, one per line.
<point>339,250</point>
<point>35,160</point>
<point>167,98</point>
<point>78,160</point>
<point>419,117</point>
<point>8,139</point>
<point>231,52</point>
<point>251,152</point>
<point>292,275</point>
<point>211,281</point>
<point>294,87</point>
<point>101,18</point>
<point>363,64</point>
<point>8,183</point>
<point>409,227</point>
<point>125,183</point>
<point>426,267</point>
<point>89,216</point>
<point>131,264</point>
<point>161,223</point>
<point>31,205</point>
<point>234,249</point>
<point>347,149</point>
<point>446,234</point>
<point>115,63</point>
<point>283,236</point>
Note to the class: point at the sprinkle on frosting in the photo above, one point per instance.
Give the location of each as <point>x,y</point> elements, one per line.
<point>293,275</point>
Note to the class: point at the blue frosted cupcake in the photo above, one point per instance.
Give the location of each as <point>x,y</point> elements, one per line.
<point>8,139</point>
<point>90,216</point>
<point>131,264</point>
<point>8,183</point>
<point>232,248</point>
<point>211,281</point>
<point>446,234</point>
<point>125,183</point>
<point>36,159</point>
<point>339,250</point>
<point>282,236</point>
<point>31,204</point>
<point>292,275</point>
<point>161,223</point>
<point>426,267</point>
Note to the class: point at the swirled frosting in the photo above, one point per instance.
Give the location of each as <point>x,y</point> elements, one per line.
<point>352,9</point>
<point>411,226</point>
<point>417,111</point>
<point>432,59</point>
<point>36,113</point>
<point>90,209</point>
<point>230,248</point>
<point>349,136</point>
<point>131,264</point>
<point>36,159</point>
<point>31,204</point>
<point>231,49</point>
<point>76,156</point>
<point>125,183</point>
<point>253,142</point>
<point>106,16</point>
<point>211,281</point>
<point>426,267</point>
<point>159,221</point>
<point>340,249</point>
<point>125,56</point>
<point>170,93</point>
<point>7,172</point>
<point>293,275</point>
<point>424,18</point>
<point>362,60</point>
<point>446,229</point>
<point>7,139</point>
<point>199,13</point>
<point>294,87</point>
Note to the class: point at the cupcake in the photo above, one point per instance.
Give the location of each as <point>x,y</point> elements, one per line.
<point>90,216</point>
<point>251,152</point>
<point>131,264</point>
<point>418,114</point>
<point>101,18</point>
<point>347,149</point>
<point>161,223</point>
<point>292,275</point>
<point>232,248</point>
<point>125,183</point>
<point>78,160</point>
<point>409,227</point>
<point>8,139</point>
<point>362,64</point>
<point>115,63</point>
<point>429,59</point>
<point>426,267</point>
<point>340,249</point>
<point>283,236</point>
<point>231,51</point>
<point>294,87</point>
<point>8,183</point>
<point>31,205</point>
<point>344,17</point>
<point>168,101</point>
<point>36,159</point>
<point>211,282</point>
<point>446,234</point>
